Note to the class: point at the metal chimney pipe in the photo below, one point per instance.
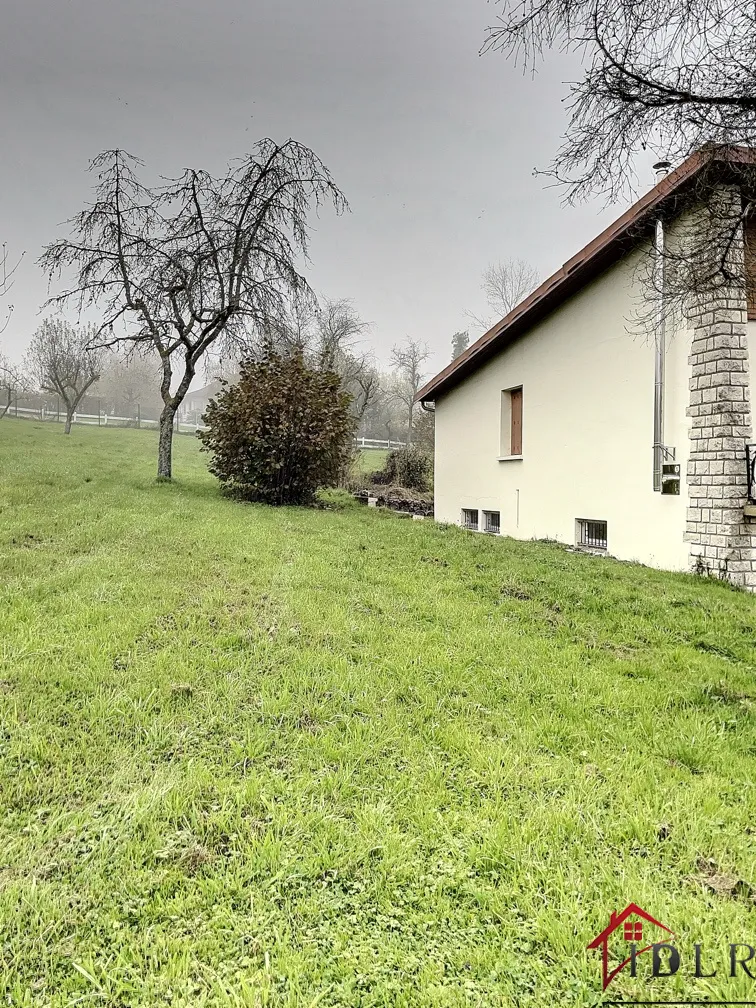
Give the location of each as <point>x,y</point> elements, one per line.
<point>661,169</point>
<point>659,355</point>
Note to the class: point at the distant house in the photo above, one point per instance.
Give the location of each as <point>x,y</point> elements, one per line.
<point>560,423</point>
<point>195,402</point>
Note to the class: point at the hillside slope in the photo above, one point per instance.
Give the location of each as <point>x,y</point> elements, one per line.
<point>297,757</point>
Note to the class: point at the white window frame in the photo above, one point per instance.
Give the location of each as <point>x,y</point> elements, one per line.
<point>581,535</point>
<point>486,516</point>
<point>464,519</point>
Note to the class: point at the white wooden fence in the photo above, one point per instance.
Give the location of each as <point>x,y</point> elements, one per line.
<point>96,419</point>
<point>105,420</point>
<point>363,442</point>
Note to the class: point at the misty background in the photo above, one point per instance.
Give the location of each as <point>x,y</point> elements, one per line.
<point>433,144</point>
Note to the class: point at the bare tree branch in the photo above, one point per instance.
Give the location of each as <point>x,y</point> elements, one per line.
<point>6,282</point>
<point>670,76</point>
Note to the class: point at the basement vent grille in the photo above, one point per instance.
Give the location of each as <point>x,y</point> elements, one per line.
<point>591,534</point>
<point>470,519</point>
<point>492,522</point>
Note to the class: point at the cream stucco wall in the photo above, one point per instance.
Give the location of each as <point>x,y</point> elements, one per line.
<point>588,388</point>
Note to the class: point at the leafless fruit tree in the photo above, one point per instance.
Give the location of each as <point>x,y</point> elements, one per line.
<point>12,384</point>
<point>407,360</point>
<point>62,361</point>
<point>192,261</point>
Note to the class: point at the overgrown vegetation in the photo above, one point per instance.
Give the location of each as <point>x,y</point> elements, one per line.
<point>289,757</point>
<point>409,467</point>
<point>281,432</point>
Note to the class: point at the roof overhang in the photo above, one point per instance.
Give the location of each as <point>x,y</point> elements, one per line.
<point>619,238</point>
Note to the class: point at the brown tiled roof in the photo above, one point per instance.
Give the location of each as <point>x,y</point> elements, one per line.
<point>597,255</point>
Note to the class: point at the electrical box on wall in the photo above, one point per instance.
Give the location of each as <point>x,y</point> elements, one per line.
<point>670,480</point>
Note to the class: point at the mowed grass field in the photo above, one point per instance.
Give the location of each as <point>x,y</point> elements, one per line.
<point>338,758</point>
<point>370,459</point>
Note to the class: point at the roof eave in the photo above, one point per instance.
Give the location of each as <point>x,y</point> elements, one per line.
<point>594,258</point>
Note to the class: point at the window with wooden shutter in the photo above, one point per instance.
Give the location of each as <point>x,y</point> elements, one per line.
<point>515,397</point>
<point>749,242</point>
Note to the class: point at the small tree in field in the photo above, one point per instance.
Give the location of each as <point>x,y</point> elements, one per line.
<point>281,432</point>
<point>60,361</point>
<point>12,384</point>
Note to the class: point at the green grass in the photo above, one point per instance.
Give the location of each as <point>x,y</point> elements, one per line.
<point>338,758</point>
<point>370,460</point>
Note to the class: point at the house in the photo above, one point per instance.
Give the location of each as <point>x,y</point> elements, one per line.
<point>196,400</point>
<point>561,422</point>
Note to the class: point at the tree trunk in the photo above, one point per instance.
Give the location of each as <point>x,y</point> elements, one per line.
<point>165,442</point>
<point>171,405</point>
<point>69,421</point>
<point>410,411</point>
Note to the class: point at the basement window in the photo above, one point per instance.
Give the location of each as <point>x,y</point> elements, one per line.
<point>591,534</point>
<point>470,519</point>
<point>492,522</point>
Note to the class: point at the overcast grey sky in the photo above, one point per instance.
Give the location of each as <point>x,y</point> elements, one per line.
<point>433,145</point>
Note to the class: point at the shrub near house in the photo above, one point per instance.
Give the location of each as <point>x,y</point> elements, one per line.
<point>280,433</point>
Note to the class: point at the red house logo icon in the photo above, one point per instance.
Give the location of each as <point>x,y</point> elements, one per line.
<point>625,932</point>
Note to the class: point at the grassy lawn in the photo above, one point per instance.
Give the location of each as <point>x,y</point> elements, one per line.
<point>370,459</point>
<point>307,758</point>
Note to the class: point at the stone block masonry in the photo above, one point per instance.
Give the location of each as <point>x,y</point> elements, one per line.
<point>722,540</point>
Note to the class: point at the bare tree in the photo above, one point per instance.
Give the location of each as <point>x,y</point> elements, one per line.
<point>407,360</point>
<point>424,430</point>
<point>380,417</point>
<point>505,284</point>
<point>192,261</point>
<point>60,360</point>
<point>364,385</point>
<point>670,76</point>
<point>130,381</point>
<point>340,329</point>
<point>328,335</point>
<point>12,384</point>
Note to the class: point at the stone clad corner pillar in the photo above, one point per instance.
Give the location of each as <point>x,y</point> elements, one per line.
<point>722,540</point>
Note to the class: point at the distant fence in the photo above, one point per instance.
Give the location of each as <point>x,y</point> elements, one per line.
<point>97,419</point>
<point>181,426</point>
<point>373,443</point>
